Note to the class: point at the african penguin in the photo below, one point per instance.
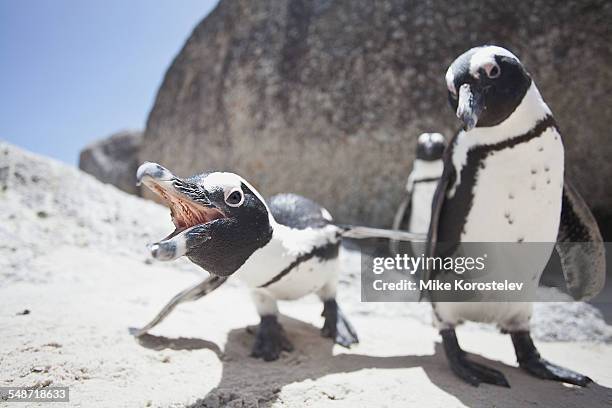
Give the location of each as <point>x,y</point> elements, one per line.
<point>414,212</point>
<point>503,181</point>
<point>282,250</point>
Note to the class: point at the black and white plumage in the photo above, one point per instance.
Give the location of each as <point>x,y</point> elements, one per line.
<point>414,212</point>
<point>504,181</point>
<point>283,250</point>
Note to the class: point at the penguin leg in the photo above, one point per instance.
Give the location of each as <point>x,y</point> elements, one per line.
<point>336,325</point>
<point>270,337</point>
<point>469,371</point>
<point>529,360</point>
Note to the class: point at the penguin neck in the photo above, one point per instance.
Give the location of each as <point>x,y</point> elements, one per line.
<point>424,170</point>
<point>527,114</point>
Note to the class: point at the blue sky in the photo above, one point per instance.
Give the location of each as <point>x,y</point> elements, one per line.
<point>73,71</point>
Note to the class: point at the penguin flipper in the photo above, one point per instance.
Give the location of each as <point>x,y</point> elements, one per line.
<point>188,295</point>
<point>401,220</point>
<point>448,173</point>
<point>580,247</point>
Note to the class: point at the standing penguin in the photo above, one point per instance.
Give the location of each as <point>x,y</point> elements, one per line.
<point>282,251</point>
<point>414,212</point>
<point>503,181</point>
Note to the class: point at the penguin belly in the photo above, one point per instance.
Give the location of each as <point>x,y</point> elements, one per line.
<point>517,193</point>
<point>306,278</point>
<point>293,264</point>
<point>420,214</point>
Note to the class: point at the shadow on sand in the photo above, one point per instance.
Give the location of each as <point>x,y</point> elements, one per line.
<point>313,359</point>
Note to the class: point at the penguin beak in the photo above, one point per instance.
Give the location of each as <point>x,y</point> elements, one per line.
<point>469,107</point>
<point>189,206</point>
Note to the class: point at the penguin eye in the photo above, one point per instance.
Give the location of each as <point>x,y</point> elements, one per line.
<point>234,198</point>
<point>493,71</point>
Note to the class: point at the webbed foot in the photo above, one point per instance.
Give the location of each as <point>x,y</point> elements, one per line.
<point>471,372</point>
<point>529,359</point>
<point>337,326</point>
<point>270,339</point>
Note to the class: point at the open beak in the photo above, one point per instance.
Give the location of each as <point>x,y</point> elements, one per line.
<point>189,207</point>
<point>469,107</point>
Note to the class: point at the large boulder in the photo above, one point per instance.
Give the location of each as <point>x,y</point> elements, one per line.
<point>326,98</point>
<point>114,160</point>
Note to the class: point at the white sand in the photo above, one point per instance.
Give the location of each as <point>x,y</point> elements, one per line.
<point>80,269</point>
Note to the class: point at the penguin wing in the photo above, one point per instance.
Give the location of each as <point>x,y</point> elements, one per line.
<point>448,174</point>
<point>580,247</point>
<point>298,212</point>
<point>401,221</point>
<point>402,216</point>
<point>188,295</point>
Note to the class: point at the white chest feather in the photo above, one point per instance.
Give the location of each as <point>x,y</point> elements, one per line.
<point>286,254</point>
<point>517,193</point>
<point>420,213</point>
<point>422,184</point>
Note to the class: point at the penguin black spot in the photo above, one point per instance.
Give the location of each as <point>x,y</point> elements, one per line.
<point>519,240</point>
<point>547,181</point>
<point>546,168</point>
<point>510,221</point>
<point>507,214</point>
<point>533,186</point>
<point>540,149</point>
<point>511,196</point>
<point>534,171</point>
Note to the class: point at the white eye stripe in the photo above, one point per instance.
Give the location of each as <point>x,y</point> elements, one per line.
<point>486,55</point>
<point>230,197</point>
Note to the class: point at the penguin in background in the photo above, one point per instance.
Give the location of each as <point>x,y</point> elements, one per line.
<point>282,249</point>
<point>504,181</point>
<point>414,212</point>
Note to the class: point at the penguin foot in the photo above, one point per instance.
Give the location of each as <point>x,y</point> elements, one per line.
<point>337,326</point>
<point>471,372</point>
<point>543,369</point>
<point>270,339</point>
<point>529,360</point>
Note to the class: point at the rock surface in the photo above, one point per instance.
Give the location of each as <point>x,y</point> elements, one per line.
<point>325,98</point>
<point>114,160</point>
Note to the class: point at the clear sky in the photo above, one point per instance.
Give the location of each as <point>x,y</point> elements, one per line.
<point>73,71</point>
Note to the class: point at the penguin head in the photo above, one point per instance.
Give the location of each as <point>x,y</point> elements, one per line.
<point>219,218</point>
<point>485,85</point>
<point>430,146</point>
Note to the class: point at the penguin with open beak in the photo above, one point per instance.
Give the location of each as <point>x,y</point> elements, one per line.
<point>504,182</point>
<point>282,249</point>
